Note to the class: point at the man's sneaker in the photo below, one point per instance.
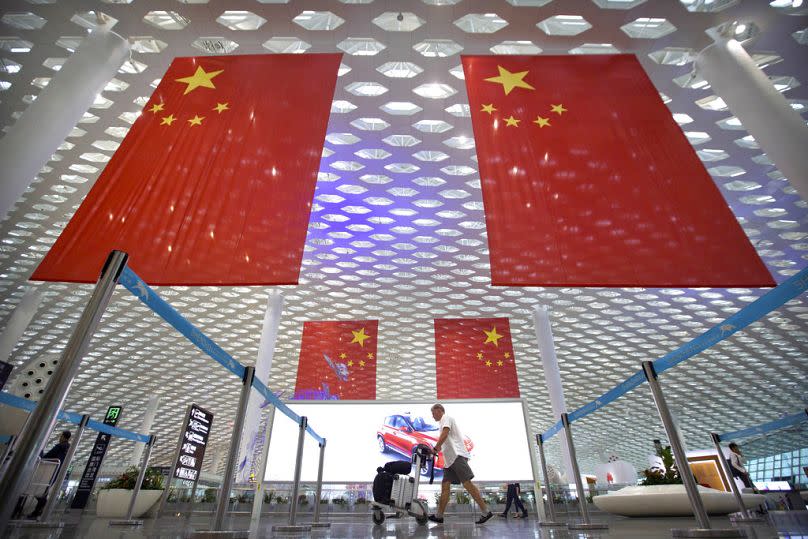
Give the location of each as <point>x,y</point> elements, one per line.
<point>483,519</point>
<point>435,518</point>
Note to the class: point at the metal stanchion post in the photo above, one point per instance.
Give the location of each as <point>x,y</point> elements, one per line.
<point>731,480</point>
<point>128,520</point>
<point>550,507</point>
<point>43,418</point>
<point>258,499</point>
<point>685,472</point>
<point>227,479</point>
<point>317,523</point>
<point>579,486</point>
<point>193,497</point>
<point>53,492</point>
<point>174,459</point>
<point>292,527</point>
<point>6,453</point>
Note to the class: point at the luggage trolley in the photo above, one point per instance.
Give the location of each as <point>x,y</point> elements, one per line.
<point>394,488</point>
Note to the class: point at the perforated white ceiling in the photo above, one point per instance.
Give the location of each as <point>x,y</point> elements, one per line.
<point>397,231</point>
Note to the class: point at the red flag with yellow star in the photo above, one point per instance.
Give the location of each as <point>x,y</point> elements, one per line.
<point>337,360</point>
<point>474,359</point>
<point>213,184</point>
<point>587,180</point>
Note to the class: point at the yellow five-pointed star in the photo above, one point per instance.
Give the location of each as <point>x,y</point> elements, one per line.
<point>500,363</point>
<point>370,355</point>
<point>359,336</point>
<point>167,120</point>
<point>509,80</point>
<point>507,355</point>
<point>200,78</point>
<point>361,363</point>
<point>479,355</point>
<point>512,122</point>
<point>488,363</point>
<point>157,107</point>
<point>488,108</point>
<point>350,363</point>
<point>196,120</point>
<point>343,355</point>
<point>559,109</point>
<point>541,122</point>
<point>492,336</point>
<point>220,107</point>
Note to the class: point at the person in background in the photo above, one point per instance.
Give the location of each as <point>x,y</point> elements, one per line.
<point>456,469</point>
<point>736,464</point>
<point>514,493</point>
<point>58,451</point>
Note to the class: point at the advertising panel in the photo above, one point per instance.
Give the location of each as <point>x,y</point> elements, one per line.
<point>364,435</point>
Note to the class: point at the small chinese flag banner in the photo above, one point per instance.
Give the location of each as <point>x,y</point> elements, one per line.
<point>474,359</point>
<point>588,181</point>
<point>213,184</point>
<point>337,361</point>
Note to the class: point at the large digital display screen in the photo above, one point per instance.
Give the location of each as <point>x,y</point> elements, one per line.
<point>364,435</point>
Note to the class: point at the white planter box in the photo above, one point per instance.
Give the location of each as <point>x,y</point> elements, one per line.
<point>114,502</point>
<point>670,501</point>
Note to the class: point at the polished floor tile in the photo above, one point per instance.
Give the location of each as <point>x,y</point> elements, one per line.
<point>793,525</point>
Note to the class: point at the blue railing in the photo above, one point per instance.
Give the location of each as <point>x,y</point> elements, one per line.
<point>777,424</point>
<point>73,417</point>
<point>130,280</point>
<point>768,302</point>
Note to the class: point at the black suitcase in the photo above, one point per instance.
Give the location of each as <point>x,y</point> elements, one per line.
<point>399,467</point>
<point>382,486</point>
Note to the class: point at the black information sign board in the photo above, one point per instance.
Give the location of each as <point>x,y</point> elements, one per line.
<point>5,372</point>
<point>194,442</point>
<point>97,453</point>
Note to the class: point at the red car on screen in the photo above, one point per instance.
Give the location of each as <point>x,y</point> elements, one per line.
<point>401,433</point>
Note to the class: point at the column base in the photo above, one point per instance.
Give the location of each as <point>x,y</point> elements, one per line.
<point>224,534</point>
<point>587,526</point>
<point>35,524</point>
<point>550,523</point>
<point>751,520</point>
<point>702,532</point>
<point>126,523</point>
<point>320,524</point>
<point>289,528</point>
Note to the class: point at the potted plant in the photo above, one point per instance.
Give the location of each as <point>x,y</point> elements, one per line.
<point>115,496</point>
<point>658,476</point>
<point>462,502</point>
<point>341,503</point>
<point>282,503</point>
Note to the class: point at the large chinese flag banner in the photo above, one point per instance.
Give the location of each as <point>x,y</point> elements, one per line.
<point>588,181</point>
<point>214,181</point>
<point>337,360</point>
<point>474,359</point>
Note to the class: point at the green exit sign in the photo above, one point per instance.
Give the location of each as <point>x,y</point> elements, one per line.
<point>113,414</point>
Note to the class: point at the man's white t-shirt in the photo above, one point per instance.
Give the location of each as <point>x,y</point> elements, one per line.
<point>737,462</point>
<point>453,447</point>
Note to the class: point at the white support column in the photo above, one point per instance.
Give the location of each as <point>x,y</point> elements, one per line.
<point>552,375</point>
<point>145,426</point>
<point>43,126</point>
<point>216,461</point>
<point>263,364</point>
<point>18,321</point>
<point>763,111</point>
